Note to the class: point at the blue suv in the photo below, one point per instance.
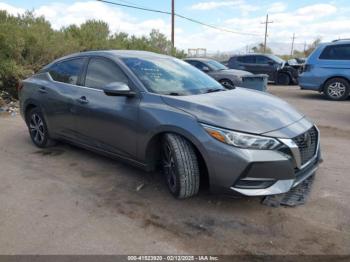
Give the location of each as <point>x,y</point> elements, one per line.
<point>327,70</point>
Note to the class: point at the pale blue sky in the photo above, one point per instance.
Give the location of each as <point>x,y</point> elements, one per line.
<point>307,19</point>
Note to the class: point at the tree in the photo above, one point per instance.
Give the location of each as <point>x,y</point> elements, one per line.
<point>311,47</point>
<point>260,49</point>
<point>27,43</point>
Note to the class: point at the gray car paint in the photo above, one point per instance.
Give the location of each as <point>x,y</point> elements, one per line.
<point>229,110</point>
<point>131,128</point>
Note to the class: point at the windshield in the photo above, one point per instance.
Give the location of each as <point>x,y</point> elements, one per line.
<point>215,65</point>
<point>277,59</point>
<point>171,76</point>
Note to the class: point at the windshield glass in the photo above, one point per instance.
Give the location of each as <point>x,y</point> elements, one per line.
<point>216,65</point>
<point>170,76</point>
<point>277,59</point>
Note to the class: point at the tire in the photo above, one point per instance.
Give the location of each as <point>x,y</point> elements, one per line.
<point>38,129</point>
<point>336,89</point>
<point>283,79</point>
<point>227,83</point>
<point>180,166</point>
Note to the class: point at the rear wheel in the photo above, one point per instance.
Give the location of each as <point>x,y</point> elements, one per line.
<point>283,79</point>
<point>336,89</point>
<point>180,166</point>
<point>38,129</point>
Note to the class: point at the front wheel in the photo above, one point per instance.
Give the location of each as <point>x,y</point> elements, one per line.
<point>180,166</point>
<point>336,89</point>
<point>38,129</point>
<point>283,79</point>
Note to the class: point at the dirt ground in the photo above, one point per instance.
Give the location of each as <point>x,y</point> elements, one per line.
<point>69,201</point>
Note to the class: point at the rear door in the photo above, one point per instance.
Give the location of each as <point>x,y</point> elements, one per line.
<point>108,123</point>
<point>247,63</point>
<point>265,65</point>
<point>57,96</point>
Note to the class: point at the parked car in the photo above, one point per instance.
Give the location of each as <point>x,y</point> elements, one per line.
<point>229,78</point>
<point>153,110</point>
<point>276,68</point>
<point>327,70</point>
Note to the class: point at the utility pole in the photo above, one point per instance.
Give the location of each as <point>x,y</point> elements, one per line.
<point>172,24</point>
<point>304,48</point>
<point>291,51</point>
<point>266,23</point>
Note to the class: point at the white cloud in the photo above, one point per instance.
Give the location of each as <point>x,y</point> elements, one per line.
<point>277,7</point>
<point>77,13</point>
<point>215,4</point>
<point>11,9</point>
<point>241,5</point>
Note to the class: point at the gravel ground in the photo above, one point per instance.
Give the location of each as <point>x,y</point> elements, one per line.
<point>65,200</point>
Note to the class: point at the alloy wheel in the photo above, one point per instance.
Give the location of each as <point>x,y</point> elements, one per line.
<point>336,90</point>
<point>36,128</point>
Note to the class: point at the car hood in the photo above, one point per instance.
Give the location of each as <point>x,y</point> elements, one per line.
<point>238,109</point>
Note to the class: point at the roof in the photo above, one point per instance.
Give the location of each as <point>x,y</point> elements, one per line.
<point>203,59</point>
<point>114,53</point>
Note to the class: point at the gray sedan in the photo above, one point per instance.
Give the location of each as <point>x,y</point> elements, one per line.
<point>229,77</point>
<point>155,111</point>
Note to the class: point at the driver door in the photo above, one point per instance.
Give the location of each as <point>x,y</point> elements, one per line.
<point>107,123</point>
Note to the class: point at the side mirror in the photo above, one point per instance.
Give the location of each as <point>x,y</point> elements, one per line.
<point>118,89</point>
<point>205,69</point>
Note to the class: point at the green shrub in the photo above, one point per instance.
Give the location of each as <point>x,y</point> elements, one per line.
<point>27,43</point>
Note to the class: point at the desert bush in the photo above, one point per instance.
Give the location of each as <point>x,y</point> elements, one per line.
<point>27,43</point>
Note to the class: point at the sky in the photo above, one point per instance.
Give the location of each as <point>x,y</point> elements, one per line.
<point>308,19</point>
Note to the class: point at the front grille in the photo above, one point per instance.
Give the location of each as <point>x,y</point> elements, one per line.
<point>307,143</point>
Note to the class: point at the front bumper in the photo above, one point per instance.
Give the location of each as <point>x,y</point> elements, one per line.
<point>265,172</point>
<point>281,186</point>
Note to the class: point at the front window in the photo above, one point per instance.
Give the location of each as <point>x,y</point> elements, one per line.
<point>171,76</point>
<point>276,59</point>
<point>101,72</point>
<point>216,66</point>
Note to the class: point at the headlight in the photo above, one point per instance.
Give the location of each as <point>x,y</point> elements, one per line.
<point>241,140</point>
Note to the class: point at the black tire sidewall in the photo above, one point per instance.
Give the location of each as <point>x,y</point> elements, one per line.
<point>285,79</point>
<point>186,166</point>
<point>177,180</point>
<point>46,139</point>
<point>333,80</point>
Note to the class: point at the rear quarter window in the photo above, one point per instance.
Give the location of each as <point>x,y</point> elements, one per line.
<point>336,52</point>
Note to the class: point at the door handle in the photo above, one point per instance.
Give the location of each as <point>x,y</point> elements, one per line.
<point>42,90</point>
<point>83,100</point>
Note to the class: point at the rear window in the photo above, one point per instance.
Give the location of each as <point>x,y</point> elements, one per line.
<point>336,52</point>
<point>67,71</point>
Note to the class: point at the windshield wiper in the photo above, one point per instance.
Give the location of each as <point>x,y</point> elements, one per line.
<point>212,90</point>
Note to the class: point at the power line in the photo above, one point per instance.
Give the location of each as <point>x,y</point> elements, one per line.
<point>178,15</point>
